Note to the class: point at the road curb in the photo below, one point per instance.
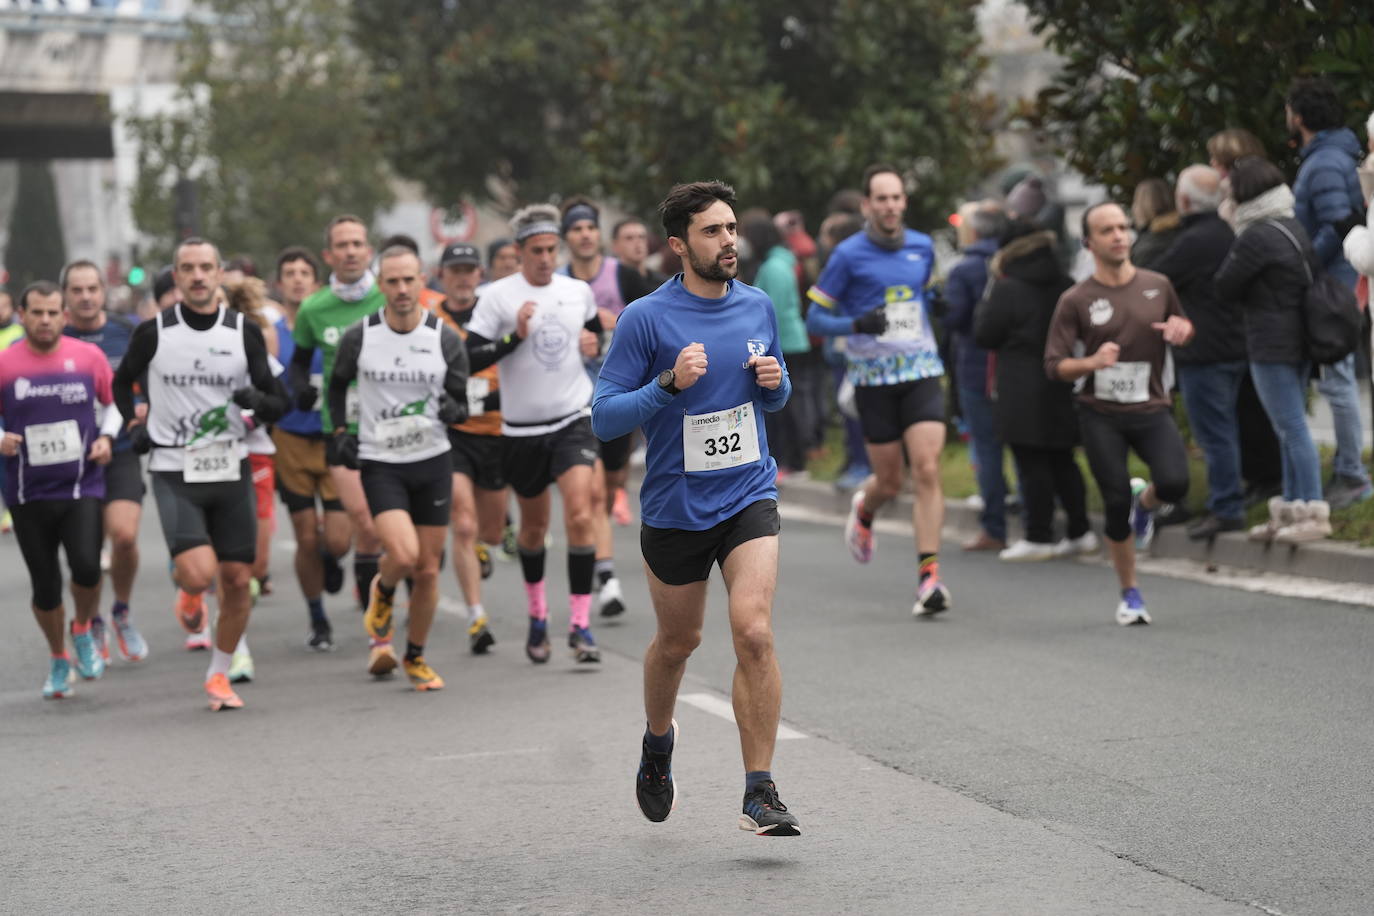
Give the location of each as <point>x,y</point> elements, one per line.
<point>1331,560</point>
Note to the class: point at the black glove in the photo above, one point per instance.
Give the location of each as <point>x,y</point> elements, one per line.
<point>139,439</point>
<point>872,322</point>
<point>492,402</point>
<point>248,397</point>
<point>452,412</point>
<point>342,449</point>
<point>306,398</point>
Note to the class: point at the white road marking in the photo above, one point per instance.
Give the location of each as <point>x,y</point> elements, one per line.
<point>1249,580</point>
<point>716,706</point>
<point>452,606</point>
<point>473,755</point>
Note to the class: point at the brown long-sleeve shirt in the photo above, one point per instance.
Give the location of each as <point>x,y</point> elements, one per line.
<point>1090,314</point>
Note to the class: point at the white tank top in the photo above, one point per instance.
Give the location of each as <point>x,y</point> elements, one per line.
<point>191,383</point>
<point>400,381</point>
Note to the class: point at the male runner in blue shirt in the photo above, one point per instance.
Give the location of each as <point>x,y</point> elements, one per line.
<point>695,364</point>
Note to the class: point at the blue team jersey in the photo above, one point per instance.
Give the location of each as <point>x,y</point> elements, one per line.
<point>300,422</point>
<point>113,341</point>
<point>859,277</point>
<point>648,337</point>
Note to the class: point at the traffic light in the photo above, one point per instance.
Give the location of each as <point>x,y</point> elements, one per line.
<point>137,276</point>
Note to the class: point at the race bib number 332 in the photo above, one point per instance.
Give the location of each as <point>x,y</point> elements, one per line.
<point>724,439</point>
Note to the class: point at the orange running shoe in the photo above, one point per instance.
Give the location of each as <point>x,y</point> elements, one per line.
<point>191,611</point>
<point>382,660</point>
<point>221,695</point>
<point>422,675</point>
<point>620,509</point>
<point>377,618</point>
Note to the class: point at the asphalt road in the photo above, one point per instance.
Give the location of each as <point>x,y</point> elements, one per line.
<point>1020,754</point>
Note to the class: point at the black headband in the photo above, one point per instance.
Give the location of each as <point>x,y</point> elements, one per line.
<point>577,213</point>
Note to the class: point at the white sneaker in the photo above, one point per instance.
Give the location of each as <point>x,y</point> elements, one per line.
<point>1082,545</point>
<point>1024,551</point>
<point>611,600</point>
<point>858,538</point>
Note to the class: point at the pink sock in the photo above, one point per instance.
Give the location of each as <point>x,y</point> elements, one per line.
<point>539,605</point>
<point>580,610</point>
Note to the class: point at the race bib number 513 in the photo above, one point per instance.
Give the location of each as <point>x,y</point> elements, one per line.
<point>724,439</point>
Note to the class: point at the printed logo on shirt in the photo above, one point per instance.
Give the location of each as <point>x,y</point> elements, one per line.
<point>415,349</point>
<point>204,425</point>
<point>551,341</point>
<point>214,352</point>
<point>68,392</point>
<point>68,365</point>
<point>757,347</point>
<point>331,336</point>
<point>1100,312</point>
<point>1151,293</point>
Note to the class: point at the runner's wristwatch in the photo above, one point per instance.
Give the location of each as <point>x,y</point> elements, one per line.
<point>665,381</point>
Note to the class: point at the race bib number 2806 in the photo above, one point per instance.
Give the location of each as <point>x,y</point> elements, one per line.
<point>724,439</point>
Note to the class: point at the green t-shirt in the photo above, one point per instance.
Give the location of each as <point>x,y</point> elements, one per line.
<point>10,333</point>
<point>320,324</point>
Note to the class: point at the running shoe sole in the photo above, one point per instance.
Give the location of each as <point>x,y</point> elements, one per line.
<point>748,823</point>
<point>382,663</point>
<point>936,602</point>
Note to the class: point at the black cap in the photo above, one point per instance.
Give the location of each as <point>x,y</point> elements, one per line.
<point>460,253</point>
<point>162,282</point>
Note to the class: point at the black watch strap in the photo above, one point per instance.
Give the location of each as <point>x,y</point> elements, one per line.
<point>666,380</point>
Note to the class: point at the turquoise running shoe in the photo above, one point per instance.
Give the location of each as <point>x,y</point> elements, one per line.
<point>89,664</point>
<point>59,682</point>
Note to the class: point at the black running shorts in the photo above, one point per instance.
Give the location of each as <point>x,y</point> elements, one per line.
<point>422,488</point>
<point>534,462</point>
<point>478,458</point>
<point>124,477</point>
<point>886,411</point>
<point>45,525</point>
<point>223,514</point>
<point>680,557</point>
<point>615,454</point>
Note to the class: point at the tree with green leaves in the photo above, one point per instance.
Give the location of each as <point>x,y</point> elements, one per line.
<point>270,125</point>
<point>1145,84</point>
<point>788,100</point>
<point>36,250</point>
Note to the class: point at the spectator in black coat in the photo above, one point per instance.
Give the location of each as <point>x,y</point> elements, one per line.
<point>1212,367</point>
<point>1265,272</point>
<point>1156,221</point>
<point>1036,415</point>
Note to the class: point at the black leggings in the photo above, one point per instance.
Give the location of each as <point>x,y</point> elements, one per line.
<point>1154,437</point>
<point>45,525</point>
<point>1044,474</point>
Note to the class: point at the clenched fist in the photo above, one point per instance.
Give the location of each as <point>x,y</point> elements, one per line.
<point>767,371</point>
<point>690,366</point>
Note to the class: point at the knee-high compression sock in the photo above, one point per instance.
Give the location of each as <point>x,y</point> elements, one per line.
<point>532,565</point>
<point>581,565</point>
<point>364,571</point>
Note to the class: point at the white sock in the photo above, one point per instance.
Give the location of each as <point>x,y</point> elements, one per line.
<point>475,613</point>
<point>219,663</point>
<point>243,644</point>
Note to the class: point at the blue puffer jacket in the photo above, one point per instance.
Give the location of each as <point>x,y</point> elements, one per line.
<point>964,289</point>
<point>1328,191</point>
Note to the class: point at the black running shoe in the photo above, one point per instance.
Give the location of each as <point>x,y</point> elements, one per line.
<point>654,787</point>
<point>321,637</point>
<point>765,814</point>
<point>333,572</point>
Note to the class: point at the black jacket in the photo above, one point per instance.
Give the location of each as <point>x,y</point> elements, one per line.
<point>1013,320</point>
<point>1191,263</point>
<point>1155,239</point>
<point>1264,273</point>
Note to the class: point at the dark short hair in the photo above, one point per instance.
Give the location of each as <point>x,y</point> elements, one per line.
<point>686,200</point>
<point>846,200</point>
<point>81,262</point>
<point>1088,211</point>
<point>1251,176</point>
<point>339,221</point>
<point>627,221</point>
<point>193,240</point>
<point>244,263</point>
<point>402,240</point>
<point>756,225</point>
<point>294,253</point>
<point>37,288</point>
<point>1315,101</point>
<point>494,248</point>
<point>876,169</point>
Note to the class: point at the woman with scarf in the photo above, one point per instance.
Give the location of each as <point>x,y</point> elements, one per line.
<point>1266,274</point>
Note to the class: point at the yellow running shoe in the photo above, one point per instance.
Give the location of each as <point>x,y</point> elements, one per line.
<point>377,620</point>
<point>422,675</point>
<point>479,636</point>
<point>484,559</point>
<point>221,695</point>
<point>382,660</point>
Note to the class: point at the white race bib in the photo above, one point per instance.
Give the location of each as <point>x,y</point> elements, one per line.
<point>213,463</point>
<point>478,389</point>
<point>405,435</point>
<point>905,321</point>
<point>53,443</point>
<point>317,382</point>
<point>1124,383</point>
<point>351,407</point>
<point>724,439</point>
